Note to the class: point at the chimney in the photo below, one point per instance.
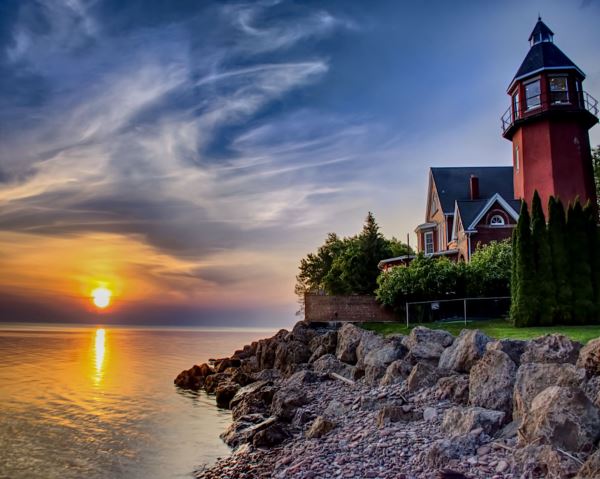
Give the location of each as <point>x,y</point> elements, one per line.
<point>474,187</point>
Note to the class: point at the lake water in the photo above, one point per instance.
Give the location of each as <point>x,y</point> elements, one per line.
<point>100,402</point>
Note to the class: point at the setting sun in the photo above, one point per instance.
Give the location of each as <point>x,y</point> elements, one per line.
<point>101,297</point>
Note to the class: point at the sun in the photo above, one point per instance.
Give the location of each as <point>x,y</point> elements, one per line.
<point>101,297</point>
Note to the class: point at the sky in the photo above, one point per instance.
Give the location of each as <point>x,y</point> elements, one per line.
<point>187,154</point>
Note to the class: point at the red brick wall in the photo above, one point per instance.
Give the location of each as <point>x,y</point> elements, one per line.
<point>353,309</point>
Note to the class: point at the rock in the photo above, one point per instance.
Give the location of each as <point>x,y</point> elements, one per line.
<point>388,414</point>
<point>267,375</point>
<point>461,420</point>
<point>373,374</point>
<point>443,451</point>
<point>592,390</point>
<point>466,350</point>
<point>533,378</point>
<point>551,348</point>
<point>322,344</point>
<point>302,417</point>
<point>430,414</point>
<point>455,388</point>
<point>241,378</point>
<point>212,382</point>
<point>243,430</point>
<point>194,377</point>
<point>396,372</point>
<point>491,382</point>
<point>290,354</point>
<point>591,467</point>
<point>369,341</point>
<point>509,431</point>
<point>386,353</point>
<point>270,436</point>
<point>225,392</point>
<point>502,466</point>
<point>302,332</point>
<point>302,377</point>
<point>336,409</point>
<point>427,344</point>
<point>266,348</point>
<point>562,417</point>
<point>422,376</point>
<point>544,462</point>
<point>320,427</point>
<point>252,399</point>
<point>348,339</point>
<point>589,357</point>
<point>222,364</point>
<point>330,364</point>
<point>513,347</point>
<point>286,401</point>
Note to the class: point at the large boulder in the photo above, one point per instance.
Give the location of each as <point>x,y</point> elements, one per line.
<point>243,430</point>
<point>561,417</point>
<point>461,420</point>
<point>330,364</point>
<point>225,392</point>
<point>369,341</point>
<point>396,372</point>
<point>533,378</point>
<point>324,343</point>
<point>589,357</point>
<point>466,350</point>
<point>513,347</point>
<point>427,344</point>
<point>320,426</point>
<point>286,401</point>
<point>272,435</point>
<point>348,339</point>
<point>591,467</point>
<point>592,389</point>
<point>302,332</point>
<point>442,451</point>
<point>551,348</point>
<point>252,399</point>
<point>221,365</point>
<point>194,377</point>
<point>491,382</point>
<point>544,462</point>
<point>211,383</point>
<point>378,358</point>
<point>289,354</point>
<point>266,348</point>
<point>454,388</point>
<point>422,375</point>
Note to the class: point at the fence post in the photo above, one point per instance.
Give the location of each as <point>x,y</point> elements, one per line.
<point>465,310</point>
<point>407,315</point>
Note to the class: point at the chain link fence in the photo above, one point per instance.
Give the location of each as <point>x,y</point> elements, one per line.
<point>457,310</point>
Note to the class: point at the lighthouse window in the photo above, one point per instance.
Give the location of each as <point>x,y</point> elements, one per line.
<point>559,92</point>
<point>532,94</point>
<point>517,157</point>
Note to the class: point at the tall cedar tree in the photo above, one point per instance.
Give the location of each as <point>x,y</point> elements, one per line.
<point>591,218</point>
<point>557,236</point>
<point>581,271</point>
<point>545,293</point>
<point>524,306</point>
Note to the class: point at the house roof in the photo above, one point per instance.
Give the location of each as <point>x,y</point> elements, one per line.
<point>453,183</point>
<point>469,210</point>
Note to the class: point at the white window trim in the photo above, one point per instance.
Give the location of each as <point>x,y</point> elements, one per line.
<point>425,235</point>
<point>517,158</point>
<point>539,105</point>
<point>501,221</point>
<point>487,207</point>
<point>566,77</point>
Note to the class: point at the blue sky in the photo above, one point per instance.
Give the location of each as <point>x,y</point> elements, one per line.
<point>190,153</point>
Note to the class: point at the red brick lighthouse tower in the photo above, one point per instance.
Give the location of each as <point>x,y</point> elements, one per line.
<point>548,123</point>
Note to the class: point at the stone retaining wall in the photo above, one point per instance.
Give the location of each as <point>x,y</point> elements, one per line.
<point>352,309</point>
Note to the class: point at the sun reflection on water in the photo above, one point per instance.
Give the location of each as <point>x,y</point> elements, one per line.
<point>99,352</point>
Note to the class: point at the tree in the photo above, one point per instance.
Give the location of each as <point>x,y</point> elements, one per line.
<point>524,305</point>
<point>596,166</point>
<point>545,292</point>
<point>557,237</point>
<point>581,273</point>
<point>488,272</point>
<point>593,232</point>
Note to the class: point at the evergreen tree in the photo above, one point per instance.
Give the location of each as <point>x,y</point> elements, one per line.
<point>557,236</point>
<point>523,306</point>
<point>545,292</point>
<point>593,231</point>
<point>581,271</point>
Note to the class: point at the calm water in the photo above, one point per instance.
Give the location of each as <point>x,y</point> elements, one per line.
<point>100,402</point>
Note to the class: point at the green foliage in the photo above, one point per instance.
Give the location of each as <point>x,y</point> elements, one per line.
<point>557,237</point>
<point>579,256</point>
<point>593,232</point>
<point>488,272</point>
<point>596,166</point>
<point>347,265</point>
<point>545,292</point>
<point>523,310</point>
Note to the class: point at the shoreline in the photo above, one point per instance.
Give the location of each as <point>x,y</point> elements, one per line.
<point>339,401</point>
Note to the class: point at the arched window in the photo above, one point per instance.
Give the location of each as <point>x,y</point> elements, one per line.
<point>497,220</point>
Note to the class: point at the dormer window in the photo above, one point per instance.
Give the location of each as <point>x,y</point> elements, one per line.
<point>497,220</point>
<point>559,91</point>
<point>532,94</point>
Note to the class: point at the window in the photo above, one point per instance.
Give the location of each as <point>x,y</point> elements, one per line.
<point>517,157</point>
<point>532,94</point>
<point>559,92</point>
<point>497,220</point>
<point>515,100</point>
<point>428,242</point>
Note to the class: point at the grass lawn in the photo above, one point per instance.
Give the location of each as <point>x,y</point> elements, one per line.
<point>499,329</point>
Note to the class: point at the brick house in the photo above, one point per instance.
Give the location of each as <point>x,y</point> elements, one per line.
<point>547,122</point>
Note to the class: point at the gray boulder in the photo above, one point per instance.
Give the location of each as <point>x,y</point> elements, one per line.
<point>454,388</point>
<point>390,413</point>
<point>369,341</point>
<point>272,435</point>
<point>252,399</point>
<point>330,364</point>
<point>427,344</point>
<point>422,375</point>
<point>442,451</point>
<point>551,348</point>
<point>466,350</point>
<point>286,401</point>
<point>561,417</point>
<point>513,347</point>
<point>225,392</point>
<point>396,372</point>
<point>320,427</point>
<point>302,332</point>
<point>324,343</point>
<point>491,382</point>
<point>461,420</point>
<point>533,378</point>
<point>589,357</point>
<point>591,467</point>
<point>543,462</point>
<point>348,339</point>
<point>266,348</point>
<point>290,354</point>
<point>243,430</point>
<point>592,390</point>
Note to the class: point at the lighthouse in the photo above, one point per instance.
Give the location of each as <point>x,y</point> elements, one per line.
<point>548,122</point>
